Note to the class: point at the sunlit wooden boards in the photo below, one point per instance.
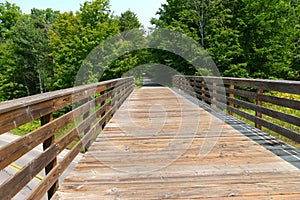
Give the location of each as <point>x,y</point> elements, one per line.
<point>161,146</point>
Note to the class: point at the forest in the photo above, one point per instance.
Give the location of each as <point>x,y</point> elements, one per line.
<point>43,51</point>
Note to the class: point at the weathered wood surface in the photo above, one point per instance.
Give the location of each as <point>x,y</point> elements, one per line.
<point>94,105</point>
<point>237,94</point>
<point>161,146</point>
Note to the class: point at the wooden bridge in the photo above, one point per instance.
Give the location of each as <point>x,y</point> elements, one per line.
<point>158,142</point>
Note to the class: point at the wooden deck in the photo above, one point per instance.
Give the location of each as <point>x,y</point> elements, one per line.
<point>159,145</point>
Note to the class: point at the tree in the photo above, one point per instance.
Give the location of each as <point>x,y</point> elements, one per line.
<point>265,31</point>
<point>30,39</point>
<point>131,30</point>
<point>9,14</point>
<point>245,38</point>
<point>10,87</point>
<point>94,12</point>
<point>188,17</point>
<point>74,36</point>
<point>128,20</point>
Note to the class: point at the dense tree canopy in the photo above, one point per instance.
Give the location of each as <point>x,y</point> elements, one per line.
<point>245,38</point>
<point>43,51</point>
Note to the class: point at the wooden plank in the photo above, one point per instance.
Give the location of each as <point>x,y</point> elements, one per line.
<point>274,127</point>
<point>259,103</point>
<point>62,165</point>
<point>291,87</point>
<point>35,99</point>
<point>231,95</point>
<point>285,86</point>
<point>27,109</point>
<point>26,143</point>
<point>17,112</point>
<point>289,103</point>
<point>9,188</point>
<point>46,144</point>
<point>235,167</point>
<point>272,113</point>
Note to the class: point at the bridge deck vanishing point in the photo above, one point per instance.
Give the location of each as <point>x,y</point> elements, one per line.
<point>160,145</point>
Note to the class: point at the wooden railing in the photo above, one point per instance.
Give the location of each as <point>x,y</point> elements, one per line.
<point>93,105</point>
<point>239,95</point>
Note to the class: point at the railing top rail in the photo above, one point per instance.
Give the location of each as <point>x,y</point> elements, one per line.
<point>287,86</point>
<point>251,99</point>
<point>38,98</point>
<point>246,79</point>
<point>94,105</point>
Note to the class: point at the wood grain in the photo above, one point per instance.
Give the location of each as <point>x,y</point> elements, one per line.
<point>92,110</point>
<point>159,145</point>
<point>230,94</point>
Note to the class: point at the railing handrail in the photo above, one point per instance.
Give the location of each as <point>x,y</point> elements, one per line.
<point>94,105</point>
<point>277,85</point>
<point>222,92</point>
<point>7,106</point>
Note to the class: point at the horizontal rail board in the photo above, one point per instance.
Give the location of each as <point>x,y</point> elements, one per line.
<point>110,96</point>
<point>226,92</point>
<point>28,109</point>
<point>291,87</point>
<point>274,127</point>
<point>294,104</point>
<point>31,140</point>
<point>111,170</point>
<point>272,113</point>
<point>54,175</point>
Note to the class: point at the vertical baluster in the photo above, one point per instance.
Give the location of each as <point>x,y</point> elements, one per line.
<point>214,93</point>
<point>259,103</point>
<point>203,90</point>
<point>231,86</point>
<point>46,144</point>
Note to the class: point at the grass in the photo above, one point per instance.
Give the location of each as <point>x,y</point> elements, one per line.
<point>33,125</point>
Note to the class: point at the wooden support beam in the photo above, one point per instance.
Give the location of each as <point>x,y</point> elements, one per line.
<point>259,103</point>
<point>231,96</point>
<point>46,144</point>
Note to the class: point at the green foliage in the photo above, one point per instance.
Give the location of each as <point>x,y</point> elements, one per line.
<point>9,14</point>
<point>26,128</point>
<point>94,12</point>
<point>74,36</point>
<point>128,20</point>
<point>29,36</point>
<point>44,50</point>
<point>258,39</point>
<point>10,87</point>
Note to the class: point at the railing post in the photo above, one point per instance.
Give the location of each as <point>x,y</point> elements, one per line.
<point>259,103</point>
<point>102,103</point>
<point>186,83</point>
<point>181,84</point>
<point>46,144</point>
<point>190,88</point>
<point>214,93</point>
<point>174,82</point>
<point>86,115</point>
<point>231,86</point>
<point>203,90</point>
<point>195,87</point>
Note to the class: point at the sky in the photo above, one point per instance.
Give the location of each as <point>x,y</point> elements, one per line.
<point>145,9</point>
